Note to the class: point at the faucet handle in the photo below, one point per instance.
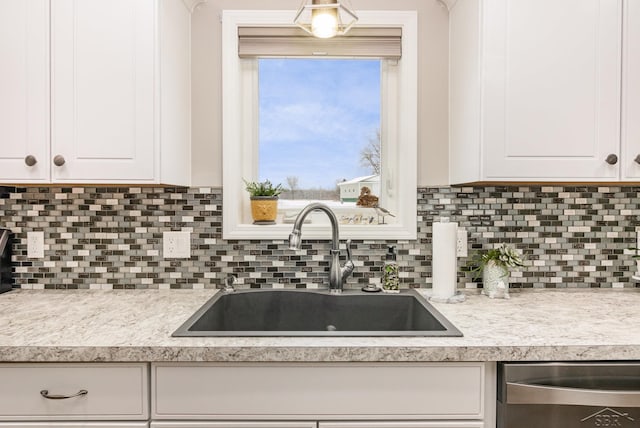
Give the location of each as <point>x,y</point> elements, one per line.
<point>348,244</point>
<point>348,267</point>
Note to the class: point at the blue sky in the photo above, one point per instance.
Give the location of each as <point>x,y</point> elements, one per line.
<point>315,117</point>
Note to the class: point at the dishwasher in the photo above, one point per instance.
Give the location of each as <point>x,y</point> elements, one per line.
<point>568,395</point>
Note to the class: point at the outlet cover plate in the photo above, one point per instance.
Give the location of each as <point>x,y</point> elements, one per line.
<point>176,245</point>
<point>461,243</point>
<point>35,244</point>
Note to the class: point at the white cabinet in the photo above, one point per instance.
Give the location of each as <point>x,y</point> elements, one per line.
<point>102,89</point>
<point>631,92</point>
<point>119,78</point>
<point>252,424</point>
<point>248,395</point>
<point>440,395</point>
<point>438,424</point>
<point>74,425</point>
<point>94,392</point>
<point>535,90</point>
<point>368,424</point>
<point>24,89</point>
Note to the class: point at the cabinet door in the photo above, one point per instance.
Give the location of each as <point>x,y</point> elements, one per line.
<point>551,75</point>
<point>424,391</point>
<point>251,424</point>
<point>391,424</point>
<point>103,90</point>
<point>631,92</point>
<point>74,425</point>
<point>24,89</point>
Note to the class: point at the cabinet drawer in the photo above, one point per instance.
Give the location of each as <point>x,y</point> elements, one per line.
<point>234,425</point>
<point>74,425</point>
<point>114,391</point>
<point>438,424</point>
<point>318,391</point>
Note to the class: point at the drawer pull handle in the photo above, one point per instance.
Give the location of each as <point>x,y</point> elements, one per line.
<point>612,159</point>
<point>45,394</point>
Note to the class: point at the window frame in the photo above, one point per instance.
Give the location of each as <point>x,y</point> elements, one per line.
<point>398,126</point>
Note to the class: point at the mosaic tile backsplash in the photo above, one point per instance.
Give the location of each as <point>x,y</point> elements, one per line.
<point>111,238</point>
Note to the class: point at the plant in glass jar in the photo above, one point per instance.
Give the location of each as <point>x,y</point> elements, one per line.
<point>494,266</point>
<point>636,256</point>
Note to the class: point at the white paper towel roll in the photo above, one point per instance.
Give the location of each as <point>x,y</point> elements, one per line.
<point>444,260</point>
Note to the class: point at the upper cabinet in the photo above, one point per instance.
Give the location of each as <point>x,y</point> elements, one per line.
<point>102,87</point>
<point>24,89</point>
<point>117,80</point>
<point>631,92</point>
<point>535,90</point>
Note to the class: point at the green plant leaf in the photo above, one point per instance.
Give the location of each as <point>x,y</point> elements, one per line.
<point>503,256</point>
<point>262,188</point>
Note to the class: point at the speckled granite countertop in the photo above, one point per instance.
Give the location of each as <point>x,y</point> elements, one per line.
<point>136,326</point>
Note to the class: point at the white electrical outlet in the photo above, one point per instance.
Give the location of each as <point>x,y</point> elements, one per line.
<point>461,242</point>
<point>176,245</point>
<point>35,245</point>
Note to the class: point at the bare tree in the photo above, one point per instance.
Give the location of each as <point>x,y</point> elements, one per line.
<point>370,154</point>
<point>292,182</point>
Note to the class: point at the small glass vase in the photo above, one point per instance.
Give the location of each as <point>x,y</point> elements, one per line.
<point>495,281</point>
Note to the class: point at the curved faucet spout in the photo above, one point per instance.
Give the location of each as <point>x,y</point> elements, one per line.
<point>337,275</point>
<point>294,237</point>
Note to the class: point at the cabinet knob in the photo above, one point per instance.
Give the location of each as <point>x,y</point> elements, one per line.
<point>58,160</point>
<point>30,160</point>
<point>637,159</point>
<point>612,159</point>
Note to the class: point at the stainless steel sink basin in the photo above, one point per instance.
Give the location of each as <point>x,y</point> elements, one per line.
<point>316,313</point>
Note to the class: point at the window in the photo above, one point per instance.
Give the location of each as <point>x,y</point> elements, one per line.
<point>258,144</point>
<point>319,129</point>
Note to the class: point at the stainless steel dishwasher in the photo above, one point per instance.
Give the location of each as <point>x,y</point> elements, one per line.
<point>568,395</point>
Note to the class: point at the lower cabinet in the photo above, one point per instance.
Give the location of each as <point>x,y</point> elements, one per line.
<point>74,424</point>
<point>234,425</point>
<point>71,395</point>
<point>323,395</point>
<point>390,424</point>
<point>248,395</point>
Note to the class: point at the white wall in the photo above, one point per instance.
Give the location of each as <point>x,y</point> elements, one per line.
<point>432,84</point>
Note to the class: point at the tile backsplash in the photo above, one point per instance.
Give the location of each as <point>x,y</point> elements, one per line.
<point>111,238</point>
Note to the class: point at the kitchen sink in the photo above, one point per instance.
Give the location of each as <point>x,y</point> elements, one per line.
<point>277,312</point>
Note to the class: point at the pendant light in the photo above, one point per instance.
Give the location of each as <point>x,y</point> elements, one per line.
<point>325,18</point>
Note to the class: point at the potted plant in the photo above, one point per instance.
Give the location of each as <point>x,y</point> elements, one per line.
<point>264,201</point>
<point>494,267</point>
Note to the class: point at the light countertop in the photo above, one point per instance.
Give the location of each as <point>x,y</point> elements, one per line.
<point>136,325</point>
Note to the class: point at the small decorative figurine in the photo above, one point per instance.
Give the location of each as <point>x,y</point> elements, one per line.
<point>366,199</point>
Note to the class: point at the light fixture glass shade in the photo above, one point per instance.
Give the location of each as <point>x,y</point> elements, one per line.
<point>324,23</point>
<point>325,18</point>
